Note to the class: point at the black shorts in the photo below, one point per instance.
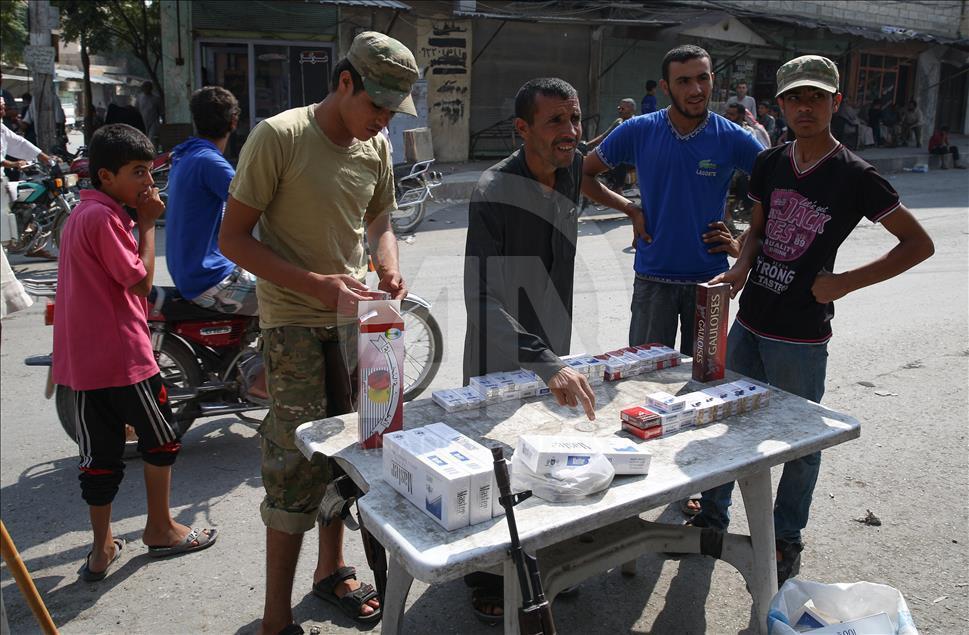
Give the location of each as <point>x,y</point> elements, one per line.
<point>102,415</point>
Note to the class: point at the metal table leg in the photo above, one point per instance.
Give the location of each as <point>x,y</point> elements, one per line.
<point>756,490</point>
<point>398,586</point>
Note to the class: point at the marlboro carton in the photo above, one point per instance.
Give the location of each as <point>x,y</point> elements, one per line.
<point>639,416</point>
<point>710,331</point>
<point>643,433</point>
<point>380,360</point>
<point>416,465</point>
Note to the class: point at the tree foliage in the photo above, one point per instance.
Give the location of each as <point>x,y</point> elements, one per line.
<point>13,30</point>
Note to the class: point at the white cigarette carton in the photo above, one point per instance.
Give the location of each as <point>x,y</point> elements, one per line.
<point>479,462</point>
<point>527,383</point>
<point>663,402</point>
<point>725,405</point>
<point>707,407</point>
<point>597,369</point>
<point>487,386</point>
<point>471,397</point>
<point>626,457</point>
<point>680,418</point>
<point>540,453</point>
<point>758,396</point>
<point>415,465</point>
<point>450,400</point>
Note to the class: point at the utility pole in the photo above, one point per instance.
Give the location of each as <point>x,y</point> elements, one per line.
<point>39,57</point>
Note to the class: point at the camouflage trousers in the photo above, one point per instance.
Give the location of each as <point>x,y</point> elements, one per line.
<point>310,374</point>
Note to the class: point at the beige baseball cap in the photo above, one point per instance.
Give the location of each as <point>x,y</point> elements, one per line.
<point>808,70</point>
<point>388,70</point>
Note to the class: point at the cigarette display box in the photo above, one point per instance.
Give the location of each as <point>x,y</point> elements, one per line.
<point>710,331</point>
<point>484,491</point>
<point>380,360</point>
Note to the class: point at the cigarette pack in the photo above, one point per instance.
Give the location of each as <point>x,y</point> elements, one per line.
<point>484,491</point>
<point>664,402</point>
<point>597,369</point>
<point>614,368</point>
<point>416,465</point>
<point>643,433</point>
<point>731,397</point>
<point>680,418</point>
<point>541,453</point>
<point>471,397</point>
<point>527,383</point>
<point>707,407</point>
<point>639,416</point>
<point>710,331</point>
<point>626,457</point>
<point>380,360</point>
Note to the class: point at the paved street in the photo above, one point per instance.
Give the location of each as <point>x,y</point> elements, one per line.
<point>899,362</point>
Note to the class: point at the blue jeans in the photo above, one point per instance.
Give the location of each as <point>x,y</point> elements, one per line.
<point>798,369</point>
<point>656,309</point>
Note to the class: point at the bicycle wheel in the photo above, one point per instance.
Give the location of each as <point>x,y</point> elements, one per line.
<point>425,348</point>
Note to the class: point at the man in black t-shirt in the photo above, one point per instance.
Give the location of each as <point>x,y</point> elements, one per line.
<point>808,196</point>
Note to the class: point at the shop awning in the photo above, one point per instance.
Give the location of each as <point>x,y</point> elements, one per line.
<point>394,5</point>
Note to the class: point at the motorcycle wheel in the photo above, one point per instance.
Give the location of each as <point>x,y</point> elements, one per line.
<point>179,369</point>
<point>424,351</point>
<point>407,223</point>
<point>29,234</point>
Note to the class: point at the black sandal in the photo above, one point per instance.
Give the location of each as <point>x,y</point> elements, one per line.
<point>351,602</point>
<point>485,596</point>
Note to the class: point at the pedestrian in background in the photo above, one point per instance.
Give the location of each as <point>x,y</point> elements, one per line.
<point>649,103</point>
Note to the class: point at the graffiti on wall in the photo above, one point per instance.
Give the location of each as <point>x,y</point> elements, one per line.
<point>443,51</point>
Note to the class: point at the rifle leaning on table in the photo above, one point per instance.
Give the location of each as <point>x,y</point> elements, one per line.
<point>535,615</point>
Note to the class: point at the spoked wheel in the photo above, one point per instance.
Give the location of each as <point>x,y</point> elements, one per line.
<point>425,348</point>
<point>29,234</point>
<point>178,368</point>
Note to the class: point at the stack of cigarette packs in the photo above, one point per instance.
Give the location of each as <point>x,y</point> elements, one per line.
<point>634,360</point>
<point>663,414</point>
<point>491,388</point>
<point>445,474</point>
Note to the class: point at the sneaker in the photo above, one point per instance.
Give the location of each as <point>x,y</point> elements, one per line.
<point>790,563</point>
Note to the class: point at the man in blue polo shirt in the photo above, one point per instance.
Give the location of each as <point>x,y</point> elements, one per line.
<point>685,157</point>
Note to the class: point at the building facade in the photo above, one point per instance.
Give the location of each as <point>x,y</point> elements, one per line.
<point>474,56</point>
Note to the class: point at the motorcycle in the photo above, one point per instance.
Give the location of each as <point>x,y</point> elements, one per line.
<point>205,358</point>
<point>41,206</point>
<point>412,188</point>
<point>80,165</point>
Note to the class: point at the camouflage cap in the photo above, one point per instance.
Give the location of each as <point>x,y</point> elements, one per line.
<point>808,70</point>
<point>388,70</point>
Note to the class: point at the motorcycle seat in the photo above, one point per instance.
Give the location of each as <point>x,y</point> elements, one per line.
<point>169,303</point>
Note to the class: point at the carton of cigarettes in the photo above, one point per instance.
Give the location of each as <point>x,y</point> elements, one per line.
<point>876,624</point>
<point>577,363</point>
<point>710,331</point>
<point>614,369</point>
<point>680,418</point>
<point>540,453</point>
<point>597,369</point>
<point>471,397</point>
<point>526,382</point>
<point>639,416</point>
<point>653,432</point>
<point>737,393</point>
<point>757,396</point>
<point>626,457</point>
<point>726,403</point>
<point>450,400</point>
<point>380,359</point>
<point>707,407</point>
<point>665,402</point>
<point>418,468</point>
<point>484,491</point>
<point>487,386</point>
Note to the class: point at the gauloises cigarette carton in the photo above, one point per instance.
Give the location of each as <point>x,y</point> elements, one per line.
<point>710,331</point>
<point>380,359</point>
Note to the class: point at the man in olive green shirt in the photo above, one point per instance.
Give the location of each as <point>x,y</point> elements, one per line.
<point>316,179</point>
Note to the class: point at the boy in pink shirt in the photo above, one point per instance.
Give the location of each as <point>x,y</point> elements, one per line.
<point>102,348</point>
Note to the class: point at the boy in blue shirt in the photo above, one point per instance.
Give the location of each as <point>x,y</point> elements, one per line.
<point>198,187</point>
<point>685,157</point>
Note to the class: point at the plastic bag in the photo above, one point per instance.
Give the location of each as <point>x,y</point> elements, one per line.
<point>563,484</point>
<point>841,601</point>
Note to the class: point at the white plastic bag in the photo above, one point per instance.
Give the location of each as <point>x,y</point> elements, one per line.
<point>563,484</point>
<point>842,601</point>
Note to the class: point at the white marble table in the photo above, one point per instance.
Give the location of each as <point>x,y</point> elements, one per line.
<point>741,448</point>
